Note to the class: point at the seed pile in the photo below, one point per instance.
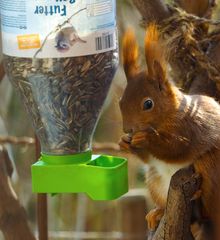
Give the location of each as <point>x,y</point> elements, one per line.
<point>63,96</point>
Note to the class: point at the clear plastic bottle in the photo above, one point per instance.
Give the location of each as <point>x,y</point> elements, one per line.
<point>61,56</point>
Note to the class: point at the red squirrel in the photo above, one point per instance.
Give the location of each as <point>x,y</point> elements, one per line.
<point>175,128</point>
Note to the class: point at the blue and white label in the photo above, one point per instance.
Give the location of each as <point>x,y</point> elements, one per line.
<point>58,28</point>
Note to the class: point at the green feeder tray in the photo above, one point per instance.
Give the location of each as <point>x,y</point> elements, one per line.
<point>101,177</point>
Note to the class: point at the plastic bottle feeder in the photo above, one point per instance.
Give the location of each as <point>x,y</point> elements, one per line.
<point>63,75</point>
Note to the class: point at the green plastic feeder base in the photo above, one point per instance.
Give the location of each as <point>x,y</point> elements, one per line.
<point>101,177</point>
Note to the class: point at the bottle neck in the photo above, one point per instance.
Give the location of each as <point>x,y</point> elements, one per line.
<point>79,158</point>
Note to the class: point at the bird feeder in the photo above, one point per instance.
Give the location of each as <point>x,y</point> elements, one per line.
<point>62,56</point>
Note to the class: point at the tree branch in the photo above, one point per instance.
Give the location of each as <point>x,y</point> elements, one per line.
<point>192,68</point>
<point>177,219</point>
<point>200,8</point>
<point>13,219</point>
<point>152,10</point>
<point>16,140</point>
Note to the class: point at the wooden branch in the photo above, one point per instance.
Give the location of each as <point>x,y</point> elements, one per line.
<point>42,216</point>
<point>204,83</point>
<point>16,140</point>
<point>158,11</point>
<point>13,219</point>
<point>188,59</point>
<point>191,68</point>
<point>177,219</point>
<point>155,10</point>
<point>199,8</point>
<point>201,82</point>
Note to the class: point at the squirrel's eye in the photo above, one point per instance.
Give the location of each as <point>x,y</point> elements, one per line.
<point>148,104</point>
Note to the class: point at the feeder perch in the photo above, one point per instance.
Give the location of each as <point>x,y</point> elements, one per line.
<point>100,177</point>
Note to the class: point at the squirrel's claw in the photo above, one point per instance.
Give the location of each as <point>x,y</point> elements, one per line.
<point>139,140</point>
<point>153,218</point>
<point>125,143</point>
<point>126,138</point>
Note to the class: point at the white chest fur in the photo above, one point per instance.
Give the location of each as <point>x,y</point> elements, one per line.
<point>158,178</point>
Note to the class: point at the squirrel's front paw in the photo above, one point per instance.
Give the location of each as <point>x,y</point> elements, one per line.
<point>153,218</point>
<point>139,140</point>
<point>125,143</point>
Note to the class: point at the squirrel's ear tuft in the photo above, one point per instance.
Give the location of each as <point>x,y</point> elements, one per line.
<point>160,76</point>
<point>154,51</point>
<point>130,54</point>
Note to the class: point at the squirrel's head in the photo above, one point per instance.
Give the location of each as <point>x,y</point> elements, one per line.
<point>149,97</point>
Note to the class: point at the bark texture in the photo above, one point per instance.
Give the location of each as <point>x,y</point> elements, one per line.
<point>176,223</point>
<point>193,49</point>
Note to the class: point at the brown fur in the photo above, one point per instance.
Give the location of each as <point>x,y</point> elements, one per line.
<point>153,179</point>
<point>153,50</point>
<point>130,58</point>
<point>179,129</point>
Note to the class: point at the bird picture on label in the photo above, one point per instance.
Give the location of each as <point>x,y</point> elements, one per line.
<point>67,38</point>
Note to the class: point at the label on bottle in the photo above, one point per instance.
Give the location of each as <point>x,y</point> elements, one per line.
<point>58,28</point>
